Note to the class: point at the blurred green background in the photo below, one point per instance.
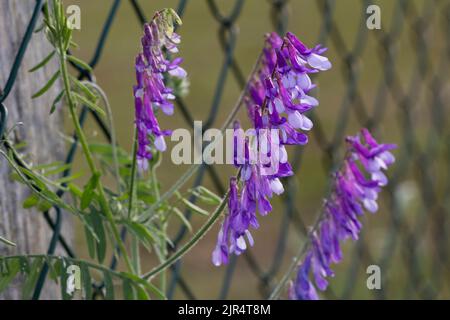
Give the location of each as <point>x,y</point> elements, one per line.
<point>203,58</point>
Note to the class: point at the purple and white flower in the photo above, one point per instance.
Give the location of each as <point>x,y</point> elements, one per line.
<point>150,92</point>
<point>355,188</point>
<point>278,98</point>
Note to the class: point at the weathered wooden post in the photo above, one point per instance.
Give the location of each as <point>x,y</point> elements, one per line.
<point>25,227</point>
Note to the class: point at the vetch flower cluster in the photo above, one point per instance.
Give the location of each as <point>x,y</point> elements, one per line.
<point>356,187</point>
<point>150,92</point>
<point>278,99</point>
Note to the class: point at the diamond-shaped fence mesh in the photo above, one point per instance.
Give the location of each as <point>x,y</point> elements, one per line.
<point>393,81</point>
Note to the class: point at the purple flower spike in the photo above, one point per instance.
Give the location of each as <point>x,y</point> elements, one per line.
<point>150,92</point>
<point>302,288</point>
<point>234,230</point>
<point>352,192</point>
<point>278,98</point>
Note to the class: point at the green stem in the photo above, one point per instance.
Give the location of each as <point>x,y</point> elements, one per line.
<point>276,292</point>
<point>90,160</point>
<point>162,249</point>
<point>133,175</point>
<point>136,258</point>
<point>188,246</point>
<point>111,129</point>
<point>135,255</point>
<point>69,259</point>
<point>163,245</point>
<point>153,176</point>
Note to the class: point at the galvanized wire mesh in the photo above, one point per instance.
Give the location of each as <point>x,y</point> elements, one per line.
<point>410,102</point>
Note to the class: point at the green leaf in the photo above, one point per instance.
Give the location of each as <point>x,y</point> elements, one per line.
<point>142,233</point>
<point>43,62</point>
<point>77,192</point>
<point>31,175</point>
<point>44,205</point>
<point>35,183</point>
<point>128,292</point>
<point>24,264</point>
<point>88,192</point>
<point>80,63</point>
<point>45,166</point>
<point>147,285</point>
<point>92,96</point>
<point>89,103</point>
<point>73,44</point>
<point>160,234</point>
<point>9,269</point>
<point>7,242</point>
<point>105,152</point>
<point>35,201</point>
<point>141,294</point>
<point>86,281</point>
<point>31,279</point>
<point>100,231</point>
<point>46,13</point>
<point>52,272</point>
<point>67,36</point>
<point>209,196</point>
<point>182,218</point>
<point>57,99</point>
<point>31,201</point>
<point>91,242</point>
<point>57,169</point>
<point>58,267</point>
<point>195,208</point>
<point>39,28</point>
<point>70,178</point>
<point>47,86</point>
<point>109,286</point>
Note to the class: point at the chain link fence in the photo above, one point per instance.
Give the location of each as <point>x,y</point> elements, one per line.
<point>393,81</point>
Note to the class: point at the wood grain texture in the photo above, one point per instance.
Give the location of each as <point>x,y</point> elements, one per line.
<point>27,228</point>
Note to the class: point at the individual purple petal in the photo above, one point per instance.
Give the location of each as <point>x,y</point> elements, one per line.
<point>319,62</point>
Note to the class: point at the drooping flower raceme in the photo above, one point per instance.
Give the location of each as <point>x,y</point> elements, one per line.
<point>150,92</point>
<point>355,189</point>
<point>278,98</point>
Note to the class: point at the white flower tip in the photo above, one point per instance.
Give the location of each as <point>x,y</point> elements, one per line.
<point>276,186</point>
<point>319,62</point>
<point>160,143</point>
<point>307,124</point>
<point>295,119</point>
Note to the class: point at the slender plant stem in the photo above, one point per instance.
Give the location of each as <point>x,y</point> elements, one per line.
<point>87,153</point>
<point>188,246</point>
<point>154,178</point>
<point>112,130</point>
<point>162,250</point>
<point>72,260</point>
<point>276,292</point>
<point>135,254</point>
<point>133,175</point>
